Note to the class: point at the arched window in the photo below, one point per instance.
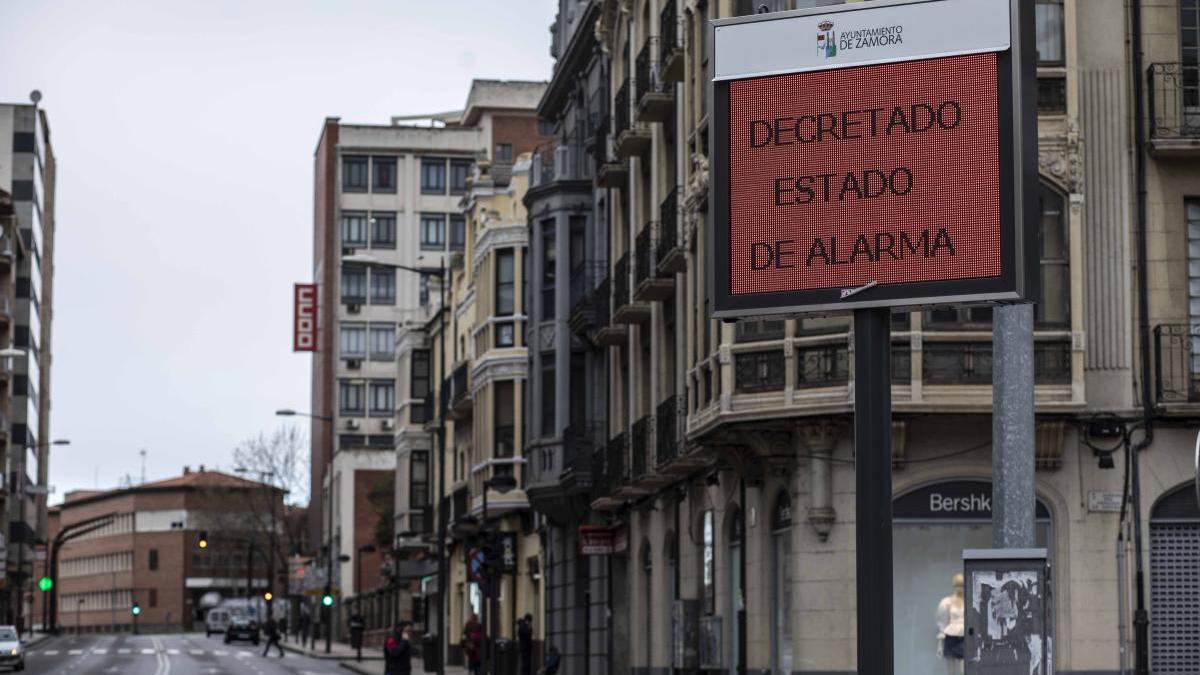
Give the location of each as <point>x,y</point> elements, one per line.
<point>781,584</point>
<point>1054,299</point>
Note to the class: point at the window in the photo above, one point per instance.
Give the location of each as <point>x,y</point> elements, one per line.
<point>460,170</point>
<point>383,286</point>
<point>1189,40</point>
<point>708,561</point>
<point>549,265</point>
<point>384,175</point>
<point>383,342</point>
<point>1054,301</point>
<point>153,561</point>
<point>458,232</point>
<point>503,152</point>
<point>505,415</point>
<point>154,596</point>
<point>505,283</point>
<point>354,229</point>
<point>505,334</point>
<point>354,174</point>
<point>350,397</point>
<point>419,383</point>
<point>353,340</point>
<point>433,176</point>
<point>433,231</point>
<point>549,396</point>
<point>423,289</point>
<point>383,398</point>
<point>418,479</point>
<point>1048,15</point>
<point>354,284</point>
<point>383,229</point>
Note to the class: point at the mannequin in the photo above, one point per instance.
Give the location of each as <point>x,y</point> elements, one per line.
<point>950,628</point>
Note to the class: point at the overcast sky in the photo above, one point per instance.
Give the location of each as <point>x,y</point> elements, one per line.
<point>185,133</point>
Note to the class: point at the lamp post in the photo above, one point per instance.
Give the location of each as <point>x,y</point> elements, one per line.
<point>362,550</point>
<point>263,477</point>
<point>19,587</point>
<point>325,609</point>
<point>502,483</point>
<point>441,274</point>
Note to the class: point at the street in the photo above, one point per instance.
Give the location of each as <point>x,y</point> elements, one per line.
<point>174,654</point>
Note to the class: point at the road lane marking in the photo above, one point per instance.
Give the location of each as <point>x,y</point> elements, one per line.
<point>123,651</point>
<point>148,651</point>
<point>75,652</point>
<point>100,651</point>
<point>173,652</point>
<point>50,652</point>
<point>220,652</point>
<point>196,652</point>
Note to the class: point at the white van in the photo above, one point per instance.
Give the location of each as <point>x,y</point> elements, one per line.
<point>217,621</point>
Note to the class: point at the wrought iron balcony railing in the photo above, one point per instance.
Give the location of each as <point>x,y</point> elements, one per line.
<point>1177,363</point>
<point>621,109</point>
<point>668,420</point>
<point>1174,96</point>
<point>620,282</point>
<point>640,447</point>
<point>668,32</point>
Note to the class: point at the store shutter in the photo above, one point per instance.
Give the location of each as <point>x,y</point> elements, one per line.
<point>1175,584</point>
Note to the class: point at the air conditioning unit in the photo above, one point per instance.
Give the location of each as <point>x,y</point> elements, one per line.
<point>353,309</point>
<point>352,424</point>
<point>389,425</point>
<point>353,364</point>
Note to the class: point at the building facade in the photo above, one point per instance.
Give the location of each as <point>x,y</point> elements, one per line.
<point>568,296</point>
<point>27,175</point>
<point>724,468</point>
<point>147,551</point>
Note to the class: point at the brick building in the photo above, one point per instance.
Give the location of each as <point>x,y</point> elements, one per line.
<point>148,551</point>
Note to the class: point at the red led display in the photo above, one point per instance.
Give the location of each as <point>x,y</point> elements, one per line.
<point>887,173</point>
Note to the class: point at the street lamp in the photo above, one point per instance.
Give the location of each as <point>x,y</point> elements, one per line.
<point>263,477</point>
<point>441,274</point>
<point>21,491</point>
<point>327,596</point>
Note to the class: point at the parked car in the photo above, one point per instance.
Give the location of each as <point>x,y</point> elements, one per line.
<point>217,622</point>
<point>242,628</point>
<point>12,653</point>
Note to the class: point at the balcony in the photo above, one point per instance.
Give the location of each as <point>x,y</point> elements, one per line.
<point>669,254</point>
<point>1174,97</point>
<point>624,309</point>
<point>7,253</point>
<point>670,47</point>
<point>631,140</point>
<point>608,334</point>
<point>557,472</point>
<point>650,284</point>
<point>970,362</point>
<point>639,457</point>
<point>655,96</point>
<point>458,390</point>
<point>584,278</point>
<point>1177,364</point>
<point>610,473</point>
<point>669,417</point>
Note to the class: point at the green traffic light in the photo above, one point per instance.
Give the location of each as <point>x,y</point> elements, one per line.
<point>136,610</point>
<point>45,584</point>
<point>327,600</point>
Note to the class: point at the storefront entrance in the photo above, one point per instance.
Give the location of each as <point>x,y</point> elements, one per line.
<point>1175,583</point>
<point>932,526</point>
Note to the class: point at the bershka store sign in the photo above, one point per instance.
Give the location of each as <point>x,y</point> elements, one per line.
<point>882,165</point>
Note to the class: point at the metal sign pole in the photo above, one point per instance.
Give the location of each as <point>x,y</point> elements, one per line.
<point>873,487</point>
<point>1012,428</point>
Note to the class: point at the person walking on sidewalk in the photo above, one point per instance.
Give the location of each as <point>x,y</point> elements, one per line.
<point>272,630</point>
<point>397,651</point>
<point>302,627</point>
<point>472,644</point>
<point>525,643</point>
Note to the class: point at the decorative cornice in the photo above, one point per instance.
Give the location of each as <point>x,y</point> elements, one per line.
<point>501,235</point>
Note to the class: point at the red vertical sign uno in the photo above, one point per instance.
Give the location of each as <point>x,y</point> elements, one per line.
<point>304,324</point>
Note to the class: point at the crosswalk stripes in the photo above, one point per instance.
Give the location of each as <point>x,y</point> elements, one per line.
<point>125,651</point>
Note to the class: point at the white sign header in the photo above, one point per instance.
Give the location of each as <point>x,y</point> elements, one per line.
<point>858,34</point>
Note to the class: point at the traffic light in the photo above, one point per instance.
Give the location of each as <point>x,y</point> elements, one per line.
<point>203,541</point>
<point>136,609</point>
<point>45,584</point>
<point>327,599</point>
<point>267,596</point>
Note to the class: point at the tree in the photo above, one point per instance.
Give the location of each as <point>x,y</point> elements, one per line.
<point>383,497</point>
<point>284,454</point>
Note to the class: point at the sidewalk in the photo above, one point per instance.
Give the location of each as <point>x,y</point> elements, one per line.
<point>376,667</point>
<point>339,651</point>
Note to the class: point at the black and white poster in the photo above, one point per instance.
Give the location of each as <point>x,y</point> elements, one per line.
<point>1007,616</point>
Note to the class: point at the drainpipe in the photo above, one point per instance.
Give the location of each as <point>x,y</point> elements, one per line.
<point>1141,621</point>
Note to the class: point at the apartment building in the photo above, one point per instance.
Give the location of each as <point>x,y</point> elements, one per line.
<point>724,472</point>
<point>369,311</point>
<point>147,552</point>
<point>27,175</point>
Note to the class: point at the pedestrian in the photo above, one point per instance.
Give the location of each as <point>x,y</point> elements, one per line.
<point>552,661</point>
<point>272,631</point>
<point>283,628</point>
<point>397,651</point>
<point>302,628</point>
<point>525,643</point>
<point>472,644</point>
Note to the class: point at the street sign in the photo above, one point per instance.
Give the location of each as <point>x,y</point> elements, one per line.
<point>477,564</point>
<point>595,540</point>
<point>508,552</point>
<point>876,169</point>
